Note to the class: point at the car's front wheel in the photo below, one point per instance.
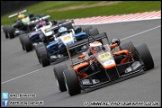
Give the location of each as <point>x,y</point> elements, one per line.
<point>145,55</point>
<point>43,56</point>
<point>26,43</point>
<point>58,73</point>
<point>71,82</point>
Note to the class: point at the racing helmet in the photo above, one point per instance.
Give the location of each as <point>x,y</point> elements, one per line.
<point>62,29</point>
<point>21,16</point>
<point>115,40</point>
<point>41,23</point>
<point>95,47</point>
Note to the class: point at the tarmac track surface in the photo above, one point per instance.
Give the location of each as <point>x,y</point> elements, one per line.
<point>21,72</point>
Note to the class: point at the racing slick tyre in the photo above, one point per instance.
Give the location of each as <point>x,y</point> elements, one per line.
<point>37,48</point>
<point>20,37</point>
<point>94,32</point>
<point>68,26</point>
<point>43,38</point>
<point>43,56</point>
<point>145,55</point>
<point>86,29</point>
<point>11,31</point>
<point>27,45</point>
<point>71,82</point>
<point>77,29</point>
<point>45,60</point>
<point>58,72</point>
<point>5,31</point>
<point>127,46</point>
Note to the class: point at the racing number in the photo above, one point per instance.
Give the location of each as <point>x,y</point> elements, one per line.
<point>104,56</point>
<point>25,20</point>
<point>46,29</point>
<point>67,38</point>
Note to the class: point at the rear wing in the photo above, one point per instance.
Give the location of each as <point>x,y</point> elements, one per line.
<point>38,20</point>
<point>67,24</point>
<point>15,14</point>
<point>86,42</point>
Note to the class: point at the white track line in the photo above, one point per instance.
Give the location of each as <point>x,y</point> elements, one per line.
<point>44,68</point>
<point>21,76</point>
<point>140,33</point>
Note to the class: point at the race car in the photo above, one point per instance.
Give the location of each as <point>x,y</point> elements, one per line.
<point>28,39</point>
<point>104,66</point>
<point>56,50</point>
<point>21,24</point>
<point>44,31</point>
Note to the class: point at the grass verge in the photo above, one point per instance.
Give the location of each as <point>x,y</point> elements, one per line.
<point>80,9</point>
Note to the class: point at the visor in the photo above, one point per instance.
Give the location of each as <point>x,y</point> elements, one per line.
<point>97,48</point>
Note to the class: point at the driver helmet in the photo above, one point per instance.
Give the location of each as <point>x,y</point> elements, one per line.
<point>95,47</point>
<point>62,29</point>
<point>21,16</point>
<point>41,23</point>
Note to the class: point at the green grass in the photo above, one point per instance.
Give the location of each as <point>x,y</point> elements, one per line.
<point>124,7</point>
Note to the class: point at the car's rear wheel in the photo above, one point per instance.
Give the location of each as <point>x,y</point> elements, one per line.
<point>71,82</point>
<point>58,72</point>
<point>27,44</point>
<point>10,32</point>
<point>5,31</point>
<point>86,29</point>
<point>43,38</point>
<point>128,46</point>
<point>145,55</point>
<point>94,32</point>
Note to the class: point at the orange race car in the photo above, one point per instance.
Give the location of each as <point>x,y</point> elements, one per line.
<point>101,63</point>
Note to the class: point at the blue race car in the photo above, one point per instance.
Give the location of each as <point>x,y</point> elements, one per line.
<point>56,51</point>
<point>39,35</point>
